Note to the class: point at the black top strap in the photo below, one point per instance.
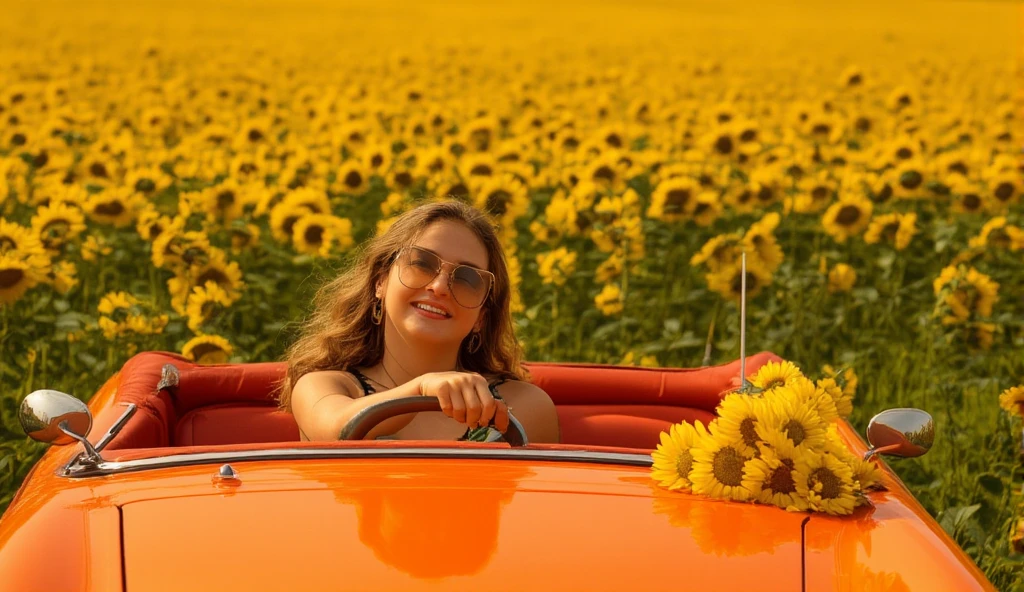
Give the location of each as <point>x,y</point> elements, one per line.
<point>493,387</point>
<point>363,381</point>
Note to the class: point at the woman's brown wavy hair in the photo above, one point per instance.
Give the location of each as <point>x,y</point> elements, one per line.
<point>339,333</point>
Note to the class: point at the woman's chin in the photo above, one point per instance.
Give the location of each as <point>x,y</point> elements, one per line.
<point>427,331</point>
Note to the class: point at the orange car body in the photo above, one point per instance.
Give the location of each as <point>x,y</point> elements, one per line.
<point>392,515</point>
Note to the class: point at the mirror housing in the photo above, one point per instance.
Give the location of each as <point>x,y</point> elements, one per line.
<point>903,432</point>
<point>44,412</point>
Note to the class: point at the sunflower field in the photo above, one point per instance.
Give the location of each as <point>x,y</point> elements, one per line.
<point>182,176</point>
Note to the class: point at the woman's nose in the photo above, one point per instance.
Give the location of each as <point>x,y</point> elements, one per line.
<point>439,285</point>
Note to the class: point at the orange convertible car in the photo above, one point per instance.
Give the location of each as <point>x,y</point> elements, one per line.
<point>191,479</point>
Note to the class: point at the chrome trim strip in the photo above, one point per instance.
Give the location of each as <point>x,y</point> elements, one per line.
<point>184,460</point>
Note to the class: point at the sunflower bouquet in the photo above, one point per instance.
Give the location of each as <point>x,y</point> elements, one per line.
<point>775,442</point>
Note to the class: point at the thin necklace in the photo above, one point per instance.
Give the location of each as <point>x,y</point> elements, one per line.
<point>394,382</point>
<point>388,374</point>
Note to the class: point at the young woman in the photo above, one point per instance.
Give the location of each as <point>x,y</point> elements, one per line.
<point>424,312</point>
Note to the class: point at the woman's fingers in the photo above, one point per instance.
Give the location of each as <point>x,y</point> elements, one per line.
<point>458,404</point>
<point>473,403</point>
<point>486,402</point>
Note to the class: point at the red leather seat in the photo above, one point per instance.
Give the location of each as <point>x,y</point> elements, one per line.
<point>234,403</point>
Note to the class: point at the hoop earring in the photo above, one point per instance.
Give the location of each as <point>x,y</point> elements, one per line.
<point>377,315</point>
<point>475,341</point>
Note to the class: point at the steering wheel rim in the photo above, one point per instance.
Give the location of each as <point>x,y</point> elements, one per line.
<point>370,417</point>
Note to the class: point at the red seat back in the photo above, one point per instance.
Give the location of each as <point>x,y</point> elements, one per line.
<point>234,403</point>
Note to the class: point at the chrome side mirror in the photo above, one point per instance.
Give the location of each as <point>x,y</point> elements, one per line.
<point>900,432</point>
<point>57,418</point>
<point>43,413</point>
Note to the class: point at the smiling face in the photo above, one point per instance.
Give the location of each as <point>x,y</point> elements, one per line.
<point>453,242</point>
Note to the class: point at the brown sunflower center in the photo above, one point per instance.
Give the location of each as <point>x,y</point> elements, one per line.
<point>752,283</point>
<point>403,179</point>
<point>999,238</point>
<point>353,179</point>
<point>723,145</point>
<point>904,153</point>
<point>683,464</point>
<point>458,190</point>
<point>780,480</point>
<point>957,167</point>
<point>1003,191</point>
<point>98,169</point>
<point>497,202</point>
<point>483,170</point>
<point>889,230</point>
<point>10,278</point>
<point>727,466</point>
<point>207,310</point>
<point>613,140</point>
<point>848,215</point>
<point>831,484</point>
<point>604,173</point>
<point>53,233</point>
<point>225,199</point>
<point>795,431</point>
<point>748,431</point>
<point>676,199</point>
<point>154,230</point>
<point>911,179</point>
<point>212,275</point>
<point>206,349</point>
<point>145,185</point>
<point>819,193</point>
<point>314,235</point>
<point>481,139</point>
<point>971,202</point>
<point>112,208</point>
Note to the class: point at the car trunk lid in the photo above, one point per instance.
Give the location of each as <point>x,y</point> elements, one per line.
<point>498,525</point>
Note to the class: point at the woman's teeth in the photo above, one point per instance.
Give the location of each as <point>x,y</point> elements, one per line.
<point>429,308</point>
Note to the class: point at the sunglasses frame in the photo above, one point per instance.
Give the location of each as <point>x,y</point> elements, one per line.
<point>451,274</point>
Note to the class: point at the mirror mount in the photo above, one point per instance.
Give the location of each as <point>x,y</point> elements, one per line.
<point>57,418</point>
<point>904,433</point>
<point>92,456</point>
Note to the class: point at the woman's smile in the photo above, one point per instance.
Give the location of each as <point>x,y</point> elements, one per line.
<point>431,310</point>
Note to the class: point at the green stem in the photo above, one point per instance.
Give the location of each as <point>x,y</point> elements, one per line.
<point>553,334</point>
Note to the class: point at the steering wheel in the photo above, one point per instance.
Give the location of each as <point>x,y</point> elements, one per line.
<point>369,417</point>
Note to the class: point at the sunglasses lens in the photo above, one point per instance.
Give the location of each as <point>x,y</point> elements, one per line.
<point>469,286</point>
<point>417,268</point>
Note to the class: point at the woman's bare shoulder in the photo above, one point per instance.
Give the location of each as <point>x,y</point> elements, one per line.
<point>327,382</point>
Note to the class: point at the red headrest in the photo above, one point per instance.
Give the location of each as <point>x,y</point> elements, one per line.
<point>568,384</point>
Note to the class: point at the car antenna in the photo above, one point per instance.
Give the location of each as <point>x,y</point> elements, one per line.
<point>744,384</point>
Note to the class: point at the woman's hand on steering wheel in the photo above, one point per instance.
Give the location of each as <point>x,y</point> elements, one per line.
<point>465,397</point>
